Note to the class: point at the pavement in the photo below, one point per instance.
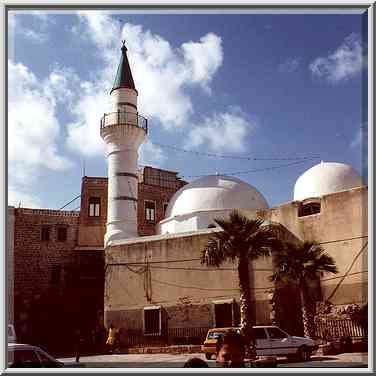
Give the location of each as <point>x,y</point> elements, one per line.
<point>357,360</point>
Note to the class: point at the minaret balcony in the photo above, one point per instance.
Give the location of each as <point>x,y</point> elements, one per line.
<point>124,118</point>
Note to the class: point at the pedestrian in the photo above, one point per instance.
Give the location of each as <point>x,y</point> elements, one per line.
<point>195,363</point>
<point>231,350</point>
<point>77,344</point>
<point>111,339</point>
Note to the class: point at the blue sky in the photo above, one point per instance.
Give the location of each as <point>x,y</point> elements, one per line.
<point>266,86</point>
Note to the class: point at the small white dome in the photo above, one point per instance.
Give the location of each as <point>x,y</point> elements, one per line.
<point>215,192</point>
<point>326,178</point>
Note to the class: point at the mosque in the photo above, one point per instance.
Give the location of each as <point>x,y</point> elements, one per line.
<point>154,284</point>
<point>132,252</point>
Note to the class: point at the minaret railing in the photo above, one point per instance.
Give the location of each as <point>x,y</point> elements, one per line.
<point>124,117</point>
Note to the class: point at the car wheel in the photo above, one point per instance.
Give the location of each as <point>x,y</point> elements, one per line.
<point>208,356</point>
<point>304,353</point>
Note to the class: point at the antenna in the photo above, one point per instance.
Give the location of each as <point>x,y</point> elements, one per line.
<point>83,167</point>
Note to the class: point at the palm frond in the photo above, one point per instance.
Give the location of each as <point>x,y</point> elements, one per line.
<point>299,262</point>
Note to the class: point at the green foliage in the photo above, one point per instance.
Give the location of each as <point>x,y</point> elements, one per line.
<point>301,263</point>
<point>240,238</point>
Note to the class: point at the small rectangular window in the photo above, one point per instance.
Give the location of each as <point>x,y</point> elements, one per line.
<point>94,207</point>
<point>45,233</point>
<point>309,209</point>
<point>152,321</point>
<point>56,274</point>
<point>165,205</point>
<point>150,211</point>
<point>62,233</point>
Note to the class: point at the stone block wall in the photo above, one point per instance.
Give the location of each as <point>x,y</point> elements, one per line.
<point>34,259</point>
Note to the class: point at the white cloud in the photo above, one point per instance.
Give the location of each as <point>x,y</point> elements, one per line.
<point>18,198</point>
<point>33,129</point>
<point>37,33</point>
<point>203,58</point>
<point>290,65</point>
<point>32,35</point>
<point>151,154</point>
<point>163,76</point>
<point>344,63</point>
<point>222,132</point>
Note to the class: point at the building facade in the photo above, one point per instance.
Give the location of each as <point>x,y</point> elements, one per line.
<point>157,284</point>
<point>56,257</point>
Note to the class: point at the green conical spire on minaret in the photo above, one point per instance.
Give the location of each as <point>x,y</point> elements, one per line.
<point>123,75</point>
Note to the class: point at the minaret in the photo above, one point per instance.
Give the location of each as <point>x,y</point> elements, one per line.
<point>123,131</point>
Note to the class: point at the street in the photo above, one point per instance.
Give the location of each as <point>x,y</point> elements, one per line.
<point>178,360</point>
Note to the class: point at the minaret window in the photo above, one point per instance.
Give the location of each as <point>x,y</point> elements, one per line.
<point>94,206</point>
<point>150,211</point>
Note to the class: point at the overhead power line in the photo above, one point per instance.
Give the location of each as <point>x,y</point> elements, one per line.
<point>226,156</point>
<point>249,171</point>
<point>70,202</point>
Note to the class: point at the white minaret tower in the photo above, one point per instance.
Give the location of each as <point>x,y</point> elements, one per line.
<point>123,131</point>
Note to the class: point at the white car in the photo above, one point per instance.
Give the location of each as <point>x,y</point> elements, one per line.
<point>28,356</point>
<point>271,340</point>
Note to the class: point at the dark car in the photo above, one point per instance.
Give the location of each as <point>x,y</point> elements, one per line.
<point>29,356</point>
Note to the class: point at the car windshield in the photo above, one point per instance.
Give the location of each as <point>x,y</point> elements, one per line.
<point>215,335</point>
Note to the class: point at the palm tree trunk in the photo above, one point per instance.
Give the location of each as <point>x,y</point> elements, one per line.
<point>307,312</point>
<point>246,320</point>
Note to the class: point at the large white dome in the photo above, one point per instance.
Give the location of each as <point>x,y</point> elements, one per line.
<point>215,192</point>
<point>326,178</point>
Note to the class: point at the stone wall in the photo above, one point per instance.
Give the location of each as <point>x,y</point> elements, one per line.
<point>35,259</point>
<point>341,228</point>
<point>165,271</point>
<point>43,272</point>
<point>10,264</point>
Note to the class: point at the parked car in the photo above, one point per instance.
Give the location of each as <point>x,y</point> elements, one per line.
<point>12,338</point>
<point>270,341</point>
<point>28,356</point>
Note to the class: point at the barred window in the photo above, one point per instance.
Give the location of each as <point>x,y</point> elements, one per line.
<point>94,206</point>
<point>150,211</point>
<point>152,320</point>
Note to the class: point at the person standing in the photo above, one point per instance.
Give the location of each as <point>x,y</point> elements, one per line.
<point>77,344</point>
<point>111,339</point>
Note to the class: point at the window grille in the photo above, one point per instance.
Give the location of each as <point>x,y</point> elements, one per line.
<point>150,211</point>
<point>94,207</point>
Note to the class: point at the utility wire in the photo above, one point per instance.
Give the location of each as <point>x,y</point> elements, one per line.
<point>345,275</point>
<point>206,269</point>
<point>225,156</point>
<point>249,171</point>
<point>70,202</point>
<point>207,289</point>
<point>198,259</point>
<point>347,272</point>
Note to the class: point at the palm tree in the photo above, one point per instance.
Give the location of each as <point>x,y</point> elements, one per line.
<point>240,240</point>
<point>300,264</point>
